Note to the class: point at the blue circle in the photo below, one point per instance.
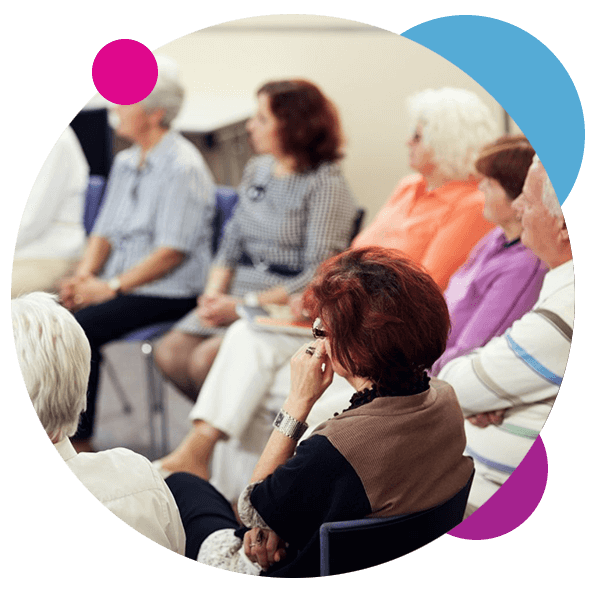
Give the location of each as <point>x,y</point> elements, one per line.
<point>525,77</point>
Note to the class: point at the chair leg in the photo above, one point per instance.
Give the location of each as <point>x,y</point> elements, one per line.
<point>109,368</point>
<point>157,403</point>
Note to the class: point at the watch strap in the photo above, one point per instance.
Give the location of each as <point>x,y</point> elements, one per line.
<point>251,299</point>
<point>115,285</point>
<point>289,426</point>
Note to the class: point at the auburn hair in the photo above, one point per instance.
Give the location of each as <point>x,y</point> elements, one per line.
<point>507,160</point>
<point>309,124</point>
<point>386,318</point>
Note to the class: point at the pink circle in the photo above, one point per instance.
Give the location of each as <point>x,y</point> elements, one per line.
<point>514,501</point>
<point>124,71</point>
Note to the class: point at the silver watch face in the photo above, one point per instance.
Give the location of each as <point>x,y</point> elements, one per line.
<point>251,299</point>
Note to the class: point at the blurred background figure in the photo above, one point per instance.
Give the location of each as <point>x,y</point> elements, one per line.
<point>148,255</point>
<point>436,215</point>
<point>508,387</point>
<point>51,235</point>
<point>502,278</point>
<point>54,357</point>
<point>295,210</point>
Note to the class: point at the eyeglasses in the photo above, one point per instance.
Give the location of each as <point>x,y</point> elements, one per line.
<point>317,329</point>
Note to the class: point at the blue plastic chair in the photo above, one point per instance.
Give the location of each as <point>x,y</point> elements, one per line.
<point>93,201</point>
<point>353,545</point>
<point>226,199</point>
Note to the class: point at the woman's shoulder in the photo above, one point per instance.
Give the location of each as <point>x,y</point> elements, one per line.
<point>327,169</point>
<point>260,161</point>
<point>259,165</point>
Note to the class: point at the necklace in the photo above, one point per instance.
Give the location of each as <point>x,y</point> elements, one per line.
<point>367,395</point>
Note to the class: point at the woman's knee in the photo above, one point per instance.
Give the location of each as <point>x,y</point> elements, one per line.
<point>174,350</point>
<point>202,358</point>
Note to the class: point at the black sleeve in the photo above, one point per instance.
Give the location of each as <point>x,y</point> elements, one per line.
<point>316,485</point>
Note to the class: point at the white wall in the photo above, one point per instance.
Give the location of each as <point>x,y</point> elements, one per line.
<point>366,71</point>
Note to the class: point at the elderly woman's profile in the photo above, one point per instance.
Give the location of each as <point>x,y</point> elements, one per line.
<point>380,322</point>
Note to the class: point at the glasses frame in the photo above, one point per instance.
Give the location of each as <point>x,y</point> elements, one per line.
<point>317,329</point>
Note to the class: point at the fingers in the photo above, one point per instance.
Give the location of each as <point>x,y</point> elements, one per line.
<point>314,348</point>
<point>496,417</point>
<point>263,547</point>
<point>483,420</point>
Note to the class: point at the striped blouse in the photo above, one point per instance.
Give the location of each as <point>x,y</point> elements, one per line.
<point>168,202</point>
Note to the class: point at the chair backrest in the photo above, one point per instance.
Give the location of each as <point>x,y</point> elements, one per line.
<point>357,544</point>
<point>95,136</point>
<point>93,199</point>
<point>226,199</point>
<point>357,223</point>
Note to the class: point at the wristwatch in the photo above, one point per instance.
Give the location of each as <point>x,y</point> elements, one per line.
<point>251,299</point>
<point>114,284</point>
<point>289,426</point>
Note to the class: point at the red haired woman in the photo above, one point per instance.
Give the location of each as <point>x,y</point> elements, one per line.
<point>295,210</point>
<point>397,449</point>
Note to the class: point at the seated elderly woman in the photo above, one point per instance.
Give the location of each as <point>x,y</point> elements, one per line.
<point>147,258</point>
<point>54,357</point>
<point>502,278</point>
<point>398,448</point>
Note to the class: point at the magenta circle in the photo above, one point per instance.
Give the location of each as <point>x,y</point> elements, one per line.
<point>124,71</point>
<point>513,503</point>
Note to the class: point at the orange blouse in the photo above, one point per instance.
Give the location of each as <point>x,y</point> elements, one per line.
<point>437,229</point>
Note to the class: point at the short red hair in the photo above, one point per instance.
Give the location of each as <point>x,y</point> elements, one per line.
<point>386,318</point>
<point>309,124</point>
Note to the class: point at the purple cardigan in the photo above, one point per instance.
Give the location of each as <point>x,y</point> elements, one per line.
<point>496,286</point>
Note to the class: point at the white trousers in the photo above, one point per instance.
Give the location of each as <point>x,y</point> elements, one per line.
<point>241,376</point>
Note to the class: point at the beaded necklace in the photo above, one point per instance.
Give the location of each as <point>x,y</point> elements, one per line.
<point>367,395</point>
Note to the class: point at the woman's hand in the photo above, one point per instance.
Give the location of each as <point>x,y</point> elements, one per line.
<point>218,310</point>
<point>311,374</point>
<point>67,291</point>
<point>264,547</point>
<point>81,291</point>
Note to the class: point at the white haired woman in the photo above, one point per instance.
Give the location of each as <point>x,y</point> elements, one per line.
<point>54,356</point>
<point>436,215</point>
<point>147,258</point>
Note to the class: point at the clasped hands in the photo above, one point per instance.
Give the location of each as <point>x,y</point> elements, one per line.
<point>82,290</point>
<point>217,310</point>
<point>264,547</point>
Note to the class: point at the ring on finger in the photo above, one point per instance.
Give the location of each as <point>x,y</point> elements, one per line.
<point>310,350</point>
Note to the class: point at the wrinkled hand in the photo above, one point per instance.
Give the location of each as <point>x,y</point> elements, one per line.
<point>483,420</point>
<point>264,547</point>
<point>311,374</point>
<point>217,310</point>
